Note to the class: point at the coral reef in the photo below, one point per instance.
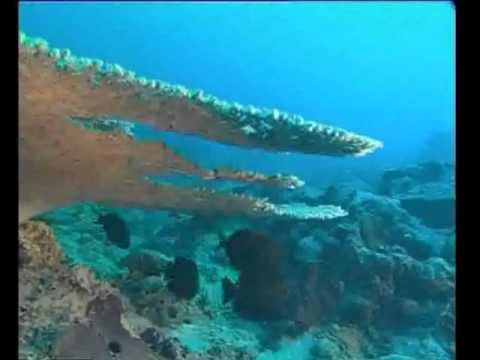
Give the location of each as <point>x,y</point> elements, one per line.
<point>37,246</point>
<point>84,241</point>
<point>277,180</point>
<point>318,295</point>
<point>59,305</point>
<point>384,222</point>
<point>444,330</point>
<point>351,288</point>
<point>152,298</point>
<point>70,156</point>
<point>425,190</point>
<point>385,288</point>
<point>103,336</point>
<point>145,263</point>
<point>253,264</point>
<point>377,268</point>
<point>347,342</point>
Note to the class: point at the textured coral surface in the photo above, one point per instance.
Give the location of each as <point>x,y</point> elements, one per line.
<point>64,310</point>
<point>299,289</point>
<point>63,159</point>
<point>118,266</point>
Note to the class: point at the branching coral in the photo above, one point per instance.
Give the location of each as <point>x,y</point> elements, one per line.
<point>63,162</point>
<point>279,180</point>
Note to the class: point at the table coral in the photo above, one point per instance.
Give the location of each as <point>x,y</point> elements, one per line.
<point>75,121</point>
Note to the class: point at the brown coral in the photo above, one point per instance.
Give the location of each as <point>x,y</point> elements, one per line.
<point>38,246</point>
<point>103,335</point>
<point>52,295</point>
<point>62,160</point>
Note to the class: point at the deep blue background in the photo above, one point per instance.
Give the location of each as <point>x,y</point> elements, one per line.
<point>382,69</point>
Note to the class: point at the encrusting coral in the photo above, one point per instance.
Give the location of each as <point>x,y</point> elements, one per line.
<point>59,304</point>
<point>104,336</point>
<point>75,122</point>
<point>38,246</point>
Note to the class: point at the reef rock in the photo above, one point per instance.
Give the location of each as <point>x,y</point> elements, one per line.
<point>336,342</point>
<point>146,263</point>
<point>425,190</point>
<point>65,308</point>
<point>103,337</point>
<point>384,222</point>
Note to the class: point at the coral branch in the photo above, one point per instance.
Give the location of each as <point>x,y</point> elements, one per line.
<point>109,90</point>
<point>280,180</point>
<point>208,202</point>
<point>76,141</point>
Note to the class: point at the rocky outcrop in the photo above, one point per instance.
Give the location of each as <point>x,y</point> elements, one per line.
<point>425,190</point>
<point>64,310</point>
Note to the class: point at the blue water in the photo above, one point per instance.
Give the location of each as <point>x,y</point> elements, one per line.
<point>382,69</point>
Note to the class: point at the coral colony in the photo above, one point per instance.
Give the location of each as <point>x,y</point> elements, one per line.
<point>114,265</point>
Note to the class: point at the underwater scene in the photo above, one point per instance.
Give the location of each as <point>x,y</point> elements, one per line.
<point>236,181</point>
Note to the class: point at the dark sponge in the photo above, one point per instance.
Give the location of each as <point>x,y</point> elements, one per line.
<point>183,278</point>
<point>116,229</point>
